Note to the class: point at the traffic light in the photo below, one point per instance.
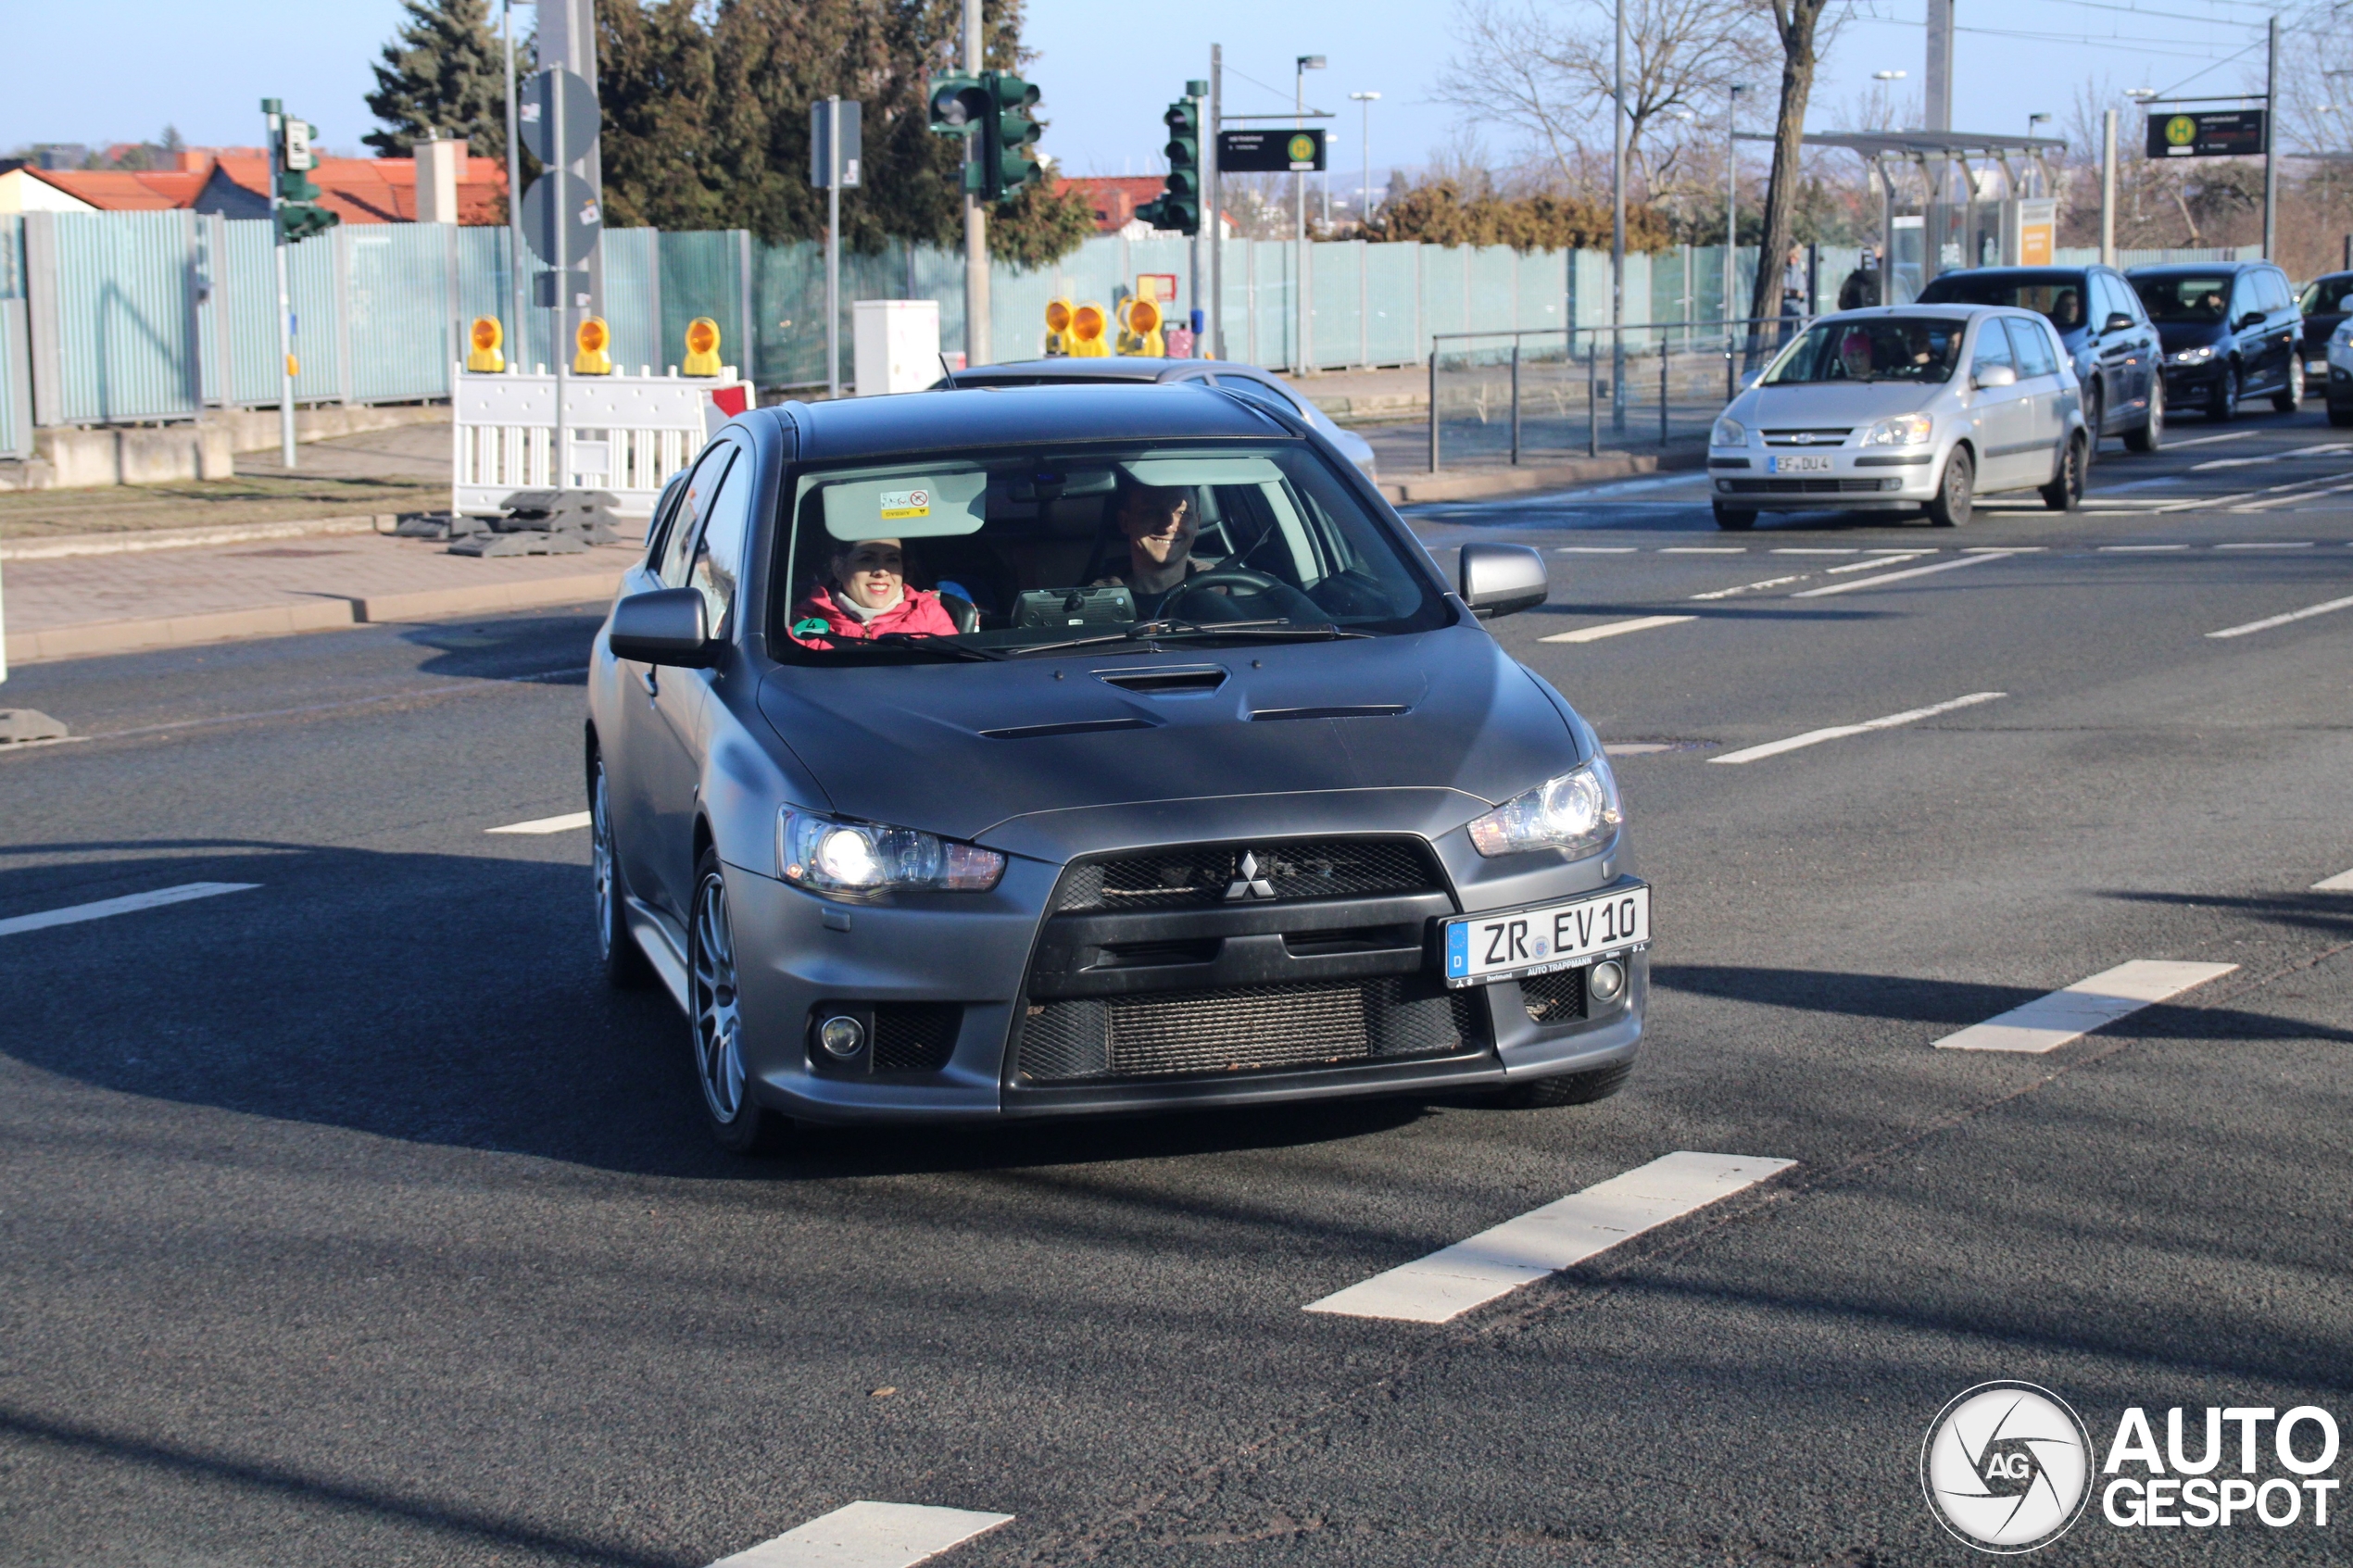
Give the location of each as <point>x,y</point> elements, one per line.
<point>484,357</point>
<point>1006,136</point>
<point>702,347</point>
<point>1179,204</point>
<point>957,104</point>
<point>298,217</point>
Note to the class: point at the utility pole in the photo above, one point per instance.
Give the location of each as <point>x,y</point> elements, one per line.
<point>2271,131</point>
<point>273,115</point>
<point>1938,87</point>
<point>1213,203</point>
<point>1365,194</point>
<point>514,208</point>
<point>1617,226</point>
<point>833,245</point>
<point>976,349</point>
<point>1731,194</point>
<point>2108,188</point>
<point>1304,295</point>
<point>561,221</point>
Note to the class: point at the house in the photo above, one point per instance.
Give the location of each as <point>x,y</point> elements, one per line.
<point>234,182</point>
<point>1115,197</point>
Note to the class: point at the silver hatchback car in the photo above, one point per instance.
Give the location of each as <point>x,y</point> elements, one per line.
<point>1904,409</point>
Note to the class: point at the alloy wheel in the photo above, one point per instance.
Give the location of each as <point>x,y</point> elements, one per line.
<point>601,862</point>
<point>718,1019</point>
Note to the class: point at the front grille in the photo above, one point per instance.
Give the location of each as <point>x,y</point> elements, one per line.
<point>1815,436</point>
<point>1807,486</point>
<point>1557,998</point>
<point>1243,1028</point>
<point>915,1036</point>
<point>1291,869</point>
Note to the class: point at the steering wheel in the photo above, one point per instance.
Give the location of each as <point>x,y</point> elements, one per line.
<point>1234,577</point>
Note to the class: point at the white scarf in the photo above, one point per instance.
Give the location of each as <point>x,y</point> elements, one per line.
<point>859,612</point>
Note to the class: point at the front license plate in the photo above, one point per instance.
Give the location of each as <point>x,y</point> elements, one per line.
<point>1550,936</point>
<point>1777,464</point>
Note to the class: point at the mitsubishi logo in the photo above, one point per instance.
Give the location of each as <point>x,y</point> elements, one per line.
<point>1248,884</point>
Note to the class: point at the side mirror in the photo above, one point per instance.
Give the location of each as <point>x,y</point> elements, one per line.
<point>1990,376</point>
<point>1748,377</point>
<point>1501,579</point>
<point>666,626</point>
<point>2116,322</point>
<point>2252,319</point>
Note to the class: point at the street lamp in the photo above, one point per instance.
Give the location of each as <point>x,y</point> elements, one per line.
<point>1733,92</point>
<point>1303,287</point>
<point>1365,195</point>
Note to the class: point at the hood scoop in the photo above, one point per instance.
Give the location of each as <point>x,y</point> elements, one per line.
<point>1354,710</point>
<point>1192,680</point>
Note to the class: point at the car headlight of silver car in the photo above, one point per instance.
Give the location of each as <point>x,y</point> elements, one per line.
<point>2202,353</point>
<point>1728,433</point>
<point>1904,429</point>
<point>830,855</point>
<point>1577,813</point>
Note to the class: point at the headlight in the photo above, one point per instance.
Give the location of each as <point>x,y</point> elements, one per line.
<point>1577,812</point>
<point>2343,335</point>
<point>2194,356</point>
<point>1728,433</point>
<point>833,855</point>
<point>1905,430</point>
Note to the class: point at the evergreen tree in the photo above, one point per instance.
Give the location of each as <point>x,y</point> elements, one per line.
<point>658,88</point>
<point>445,71</point>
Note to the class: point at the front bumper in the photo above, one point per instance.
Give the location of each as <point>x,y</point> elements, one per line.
<point>1880,479</point>
<point>973,960</point>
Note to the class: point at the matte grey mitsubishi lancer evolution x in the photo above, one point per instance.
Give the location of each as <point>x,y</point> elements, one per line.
<point>967,755</point>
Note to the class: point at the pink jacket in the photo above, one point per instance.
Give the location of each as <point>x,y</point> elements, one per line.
<point>919,614</point>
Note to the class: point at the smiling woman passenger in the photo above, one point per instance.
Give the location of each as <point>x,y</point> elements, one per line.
<point>866,595</point>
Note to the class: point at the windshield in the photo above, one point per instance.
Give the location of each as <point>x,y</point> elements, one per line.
<point>2176,300</point>
<point>1877,348</point>
<point>2328,296</point>
<point>1002,555</point>
<point>2059,295</point>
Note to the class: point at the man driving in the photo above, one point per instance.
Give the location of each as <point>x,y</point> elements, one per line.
<point>1159,525</point>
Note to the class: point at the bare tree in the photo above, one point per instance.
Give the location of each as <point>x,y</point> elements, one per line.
<point>1549,70</point>
<point>1796,24</point>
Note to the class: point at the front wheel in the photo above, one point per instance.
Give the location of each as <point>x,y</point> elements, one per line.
<point>1955,491</point>
<point>625,965</point>
<point>737,1120</point>
<point>2095,421</point>
<point>2222,407</point>
<point>2065,492</point>
<point>2149,436</point>
<point>2290,396</point>
<point>1733,519</point>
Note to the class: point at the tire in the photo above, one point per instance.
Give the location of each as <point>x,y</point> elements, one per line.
<point>2222,404</point>
<point>625,965</point>
<point>1566,1088</point>
<point>1733,519</point>
<point>2095,423</point>
<point>2291,397</point>
<point>2149,434</point>
<point>738,1122</point>
<point>2065,492</point>
<point>1955,491</point>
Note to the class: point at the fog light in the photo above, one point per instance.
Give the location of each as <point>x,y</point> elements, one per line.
<point>842,1037</point>
<point>1607,980</point>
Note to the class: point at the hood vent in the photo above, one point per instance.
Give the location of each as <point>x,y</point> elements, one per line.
<point>1184,680</point>
<point>1077,727</point>
<point>1356,710</point>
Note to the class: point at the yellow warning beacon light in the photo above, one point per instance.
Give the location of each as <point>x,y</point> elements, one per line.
<point>702,347</point>
<point>1058,312</point>
<point>1142,336</point>
<point>484,339</point>
<point>1089,323</point>
<point>593,338</point>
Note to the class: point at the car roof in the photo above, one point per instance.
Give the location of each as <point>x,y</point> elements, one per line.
<point>2015,271</point>
<point>2193,268</point>
<point>933,421</point>
<point>1118,368</point>
<point>1927,307</point>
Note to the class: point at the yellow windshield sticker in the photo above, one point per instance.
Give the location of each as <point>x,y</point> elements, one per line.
<point>900,505</point>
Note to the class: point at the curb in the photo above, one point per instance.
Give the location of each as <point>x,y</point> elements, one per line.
<point>431,604</point>
<point>1473,484</point>
<point>131,541</point>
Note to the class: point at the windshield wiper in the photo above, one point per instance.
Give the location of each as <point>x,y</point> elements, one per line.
<point>941,646</point>
<point>1153,631</point>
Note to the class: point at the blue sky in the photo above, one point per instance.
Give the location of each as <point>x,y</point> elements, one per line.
<point>101,71</point>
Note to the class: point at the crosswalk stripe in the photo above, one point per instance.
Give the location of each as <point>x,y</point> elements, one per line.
<point>1840,731</point>
<point>1497,1261</point>
<point>868,1535</point>
<point>2048,1022</point>
<point>74,913</point>
<point>564,824</point>
<point>1616,628</point>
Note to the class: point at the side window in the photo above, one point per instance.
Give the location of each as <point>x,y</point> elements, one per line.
<point>1265,391</point>
<point>693,506</point>
<point>2275,287</point>
<point>2114,299</point>
<point>666,509</point>
<point>2032,346</point>
<point>719,554</point>
<point>1992,346</point>
<point>2246,295</point>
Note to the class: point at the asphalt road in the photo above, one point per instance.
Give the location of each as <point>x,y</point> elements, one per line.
<point>347,1218</point>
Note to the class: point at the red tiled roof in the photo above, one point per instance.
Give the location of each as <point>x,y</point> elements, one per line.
<point>382,190</point>
<point>1115,197</point>
<point>123,190</point>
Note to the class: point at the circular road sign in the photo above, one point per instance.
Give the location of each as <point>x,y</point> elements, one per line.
<point>565,196</point>
<point>536,110</point>
<point>2180,130</point>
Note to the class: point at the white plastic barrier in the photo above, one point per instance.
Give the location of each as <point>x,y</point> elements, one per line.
<point>625,434</point>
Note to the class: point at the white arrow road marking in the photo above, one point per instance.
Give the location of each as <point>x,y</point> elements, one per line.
<point>2270,621</point>
<point>1861,583</point>
<point>2048,1022</point>
<point>868,1535</point>
<point>564,824</point>
<point>1840,731</point>
<point>1496,1262</point>
<point>73,913</point>
<point>2341,883</point>
<point>1616,628</point>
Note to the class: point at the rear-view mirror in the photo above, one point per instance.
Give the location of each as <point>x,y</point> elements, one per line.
<point>666,626</point>
<point>1501,579</point>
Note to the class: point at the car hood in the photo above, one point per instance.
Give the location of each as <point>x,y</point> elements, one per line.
<point>1835,403</point>
<point>960,749</point>
<point>2190,334</point>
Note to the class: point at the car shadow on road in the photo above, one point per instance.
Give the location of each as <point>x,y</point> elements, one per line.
<point>454,1000</point>
<point>550,647</point>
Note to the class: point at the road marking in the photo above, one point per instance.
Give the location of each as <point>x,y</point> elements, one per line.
<point>2332,451</point>
<point>1496,1262</point>
<point>1753,587</point>
<point>2139,549</point>
<point>2270,621</point>
<point>2048,1022</point>
<point>1703,549</point>
<point>868,1535</point>
<point>2269,544</point>
<point>564,824</point>
<point>1796,550</point>
<point>1840,731</point>
<point>1859,582</point>
<point>75,913</point>
<point>1879,563</point>
<point>1616,628</point>
<point>1637,747</point>
<point>1594,550</point>
<point>2210,440</point>
<point>2341,883</point>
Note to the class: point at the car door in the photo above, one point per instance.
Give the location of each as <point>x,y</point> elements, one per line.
<point>2122,356</point>
<point>2043,396</point>
<point>2004,415</point>
<point>2250,332</point>
<point>2285,325</point>
<point>640,760</point>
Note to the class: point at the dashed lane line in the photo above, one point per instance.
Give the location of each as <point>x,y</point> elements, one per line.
<point>1877,563</point>
<point>564,824</point>
<point>1840,731</point>
<point>1703,549</point>
<point>1862,582</point>
<point>868,1535</point>
<point>2139,549</point>
<point>2341,883</point>
<point>1519,1251</point>
<point>2048,1022</point>
<point>1801,550</point>
<point>73,914</point>
<point>1754,587</point>
<point>1594,550</point>
<point>2268,545</point>
<point>1616,628</point>
<point>2270,621</point>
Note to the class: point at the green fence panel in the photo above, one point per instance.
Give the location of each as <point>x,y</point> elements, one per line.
<point>1392,318</point>
<point>124,316</point>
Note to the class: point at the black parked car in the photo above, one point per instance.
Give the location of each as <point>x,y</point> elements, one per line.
<point>2327,300</point>
<point>2106,335</point>
<point>2229,330</point>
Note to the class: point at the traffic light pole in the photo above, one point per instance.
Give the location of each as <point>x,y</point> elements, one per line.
<point>514,208</point>
<point>2271,140</point>
<point>1192,285</point>
<point>832,246</point>
<point>977,347</point>
<point>276,120</point>
<point>1213,199</point>
<point>561,478</point>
